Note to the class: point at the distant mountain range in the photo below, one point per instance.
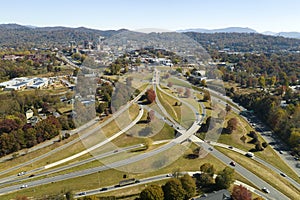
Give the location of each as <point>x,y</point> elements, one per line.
<point>242,30</point>
<point>222,30</point>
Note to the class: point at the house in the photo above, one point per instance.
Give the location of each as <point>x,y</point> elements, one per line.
<point>29,114</point>
<point>18,86</point>
<point>219,195</point>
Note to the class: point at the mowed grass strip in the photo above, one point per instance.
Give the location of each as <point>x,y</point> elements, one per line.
<point>169,104</point>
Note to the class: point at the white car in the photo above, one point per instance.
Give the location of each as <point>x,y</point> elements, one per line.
<point>21,173</point>
<point>169,175</point>
<point>24,186</point>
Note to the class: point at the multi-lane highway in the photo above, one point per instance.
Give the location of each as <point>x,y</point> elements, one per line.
<point>185,135</point>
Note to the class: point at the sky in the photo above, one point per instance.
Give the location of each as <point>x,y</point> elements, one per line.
<point>261,15</point>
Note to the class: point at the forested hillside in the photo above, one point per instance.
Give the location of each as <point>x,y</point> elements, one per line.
<point>13,35</point>
<point>245,42</point>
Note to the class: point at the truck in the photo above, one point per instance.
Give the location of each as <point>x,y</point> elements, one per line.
<point>128,182</point>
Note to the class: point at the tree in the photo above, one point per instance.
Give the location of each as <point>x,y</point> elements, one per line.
<point>187,93</point>
<point>189,185</point>
<point>152,192</point>
<point>243,139</point>
<point>179,90</point>
<point>150,95</point>
<point>129,81</point>
<point>231,125</point>
<point>241,193</point>
<point>264,144</point>
<point>203,83</point>
<point>69,195</point>
<point>204,180</point>
<point>225,178</point>
<point>173,190</point>
<point>206,96</point>
<point>262,81</point>
<point>228,108</point>
<point>170,84</point>
<point>208,168</point>
<point>258,146</point>
<point>150,116</point>
<point>221,114</point>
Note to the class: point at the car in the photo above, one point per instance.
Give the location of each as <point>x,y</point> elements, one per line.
<point>232,163</point>
<point>282,174</point>
<point>265,190</point>
<point>280,152</point>
<point>103,189</point>
<point>211,149</point>
<point>82,193</point>
<point>23,186</point>
<point>31,175</point>
<point>249,154</point>
<point>169,175</point>
<point>296,158</point>
<point>230,147</point>
<point>21,173</point>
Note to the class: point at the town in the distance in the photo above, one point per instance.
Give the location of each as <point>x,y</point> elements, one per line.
<point>204,115</point>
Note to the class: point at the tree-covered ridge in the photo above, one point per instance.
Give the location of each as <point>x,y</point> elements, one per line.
<point>245,42</point>
<point>16,36</point>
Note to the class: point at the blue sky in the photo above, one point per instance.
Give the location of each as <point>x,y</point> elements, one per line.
<point>262,15</point>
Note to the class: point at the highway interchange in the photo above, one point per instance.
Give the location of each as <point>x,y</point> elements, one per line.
<point>186,134</point>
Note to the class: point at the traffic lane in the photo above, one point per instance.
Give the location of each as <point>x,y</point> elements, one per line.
<point>274,194</point>
<point>113,187</point>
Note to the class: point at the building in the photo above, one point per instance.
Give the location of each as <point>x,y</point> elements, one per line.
<point>29,114</point>
<point>219,195</point>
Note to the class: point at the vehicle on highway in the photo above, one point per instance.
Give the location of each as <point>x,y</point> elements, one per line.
<point>230,147</point>
<point>280,152</point>
<point>31,175</point>
<point>23,186</point>
<point>21,173</point>
<point>265,190</point>
<point>232,163</point>
<point>296,158</point>
<point>82,193</point>
<point>211,149</point>
<point>169,175</point>
<point>103,189</point>
<point>128,182</point>
<point>282,174</point>
<point>249,154</point>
